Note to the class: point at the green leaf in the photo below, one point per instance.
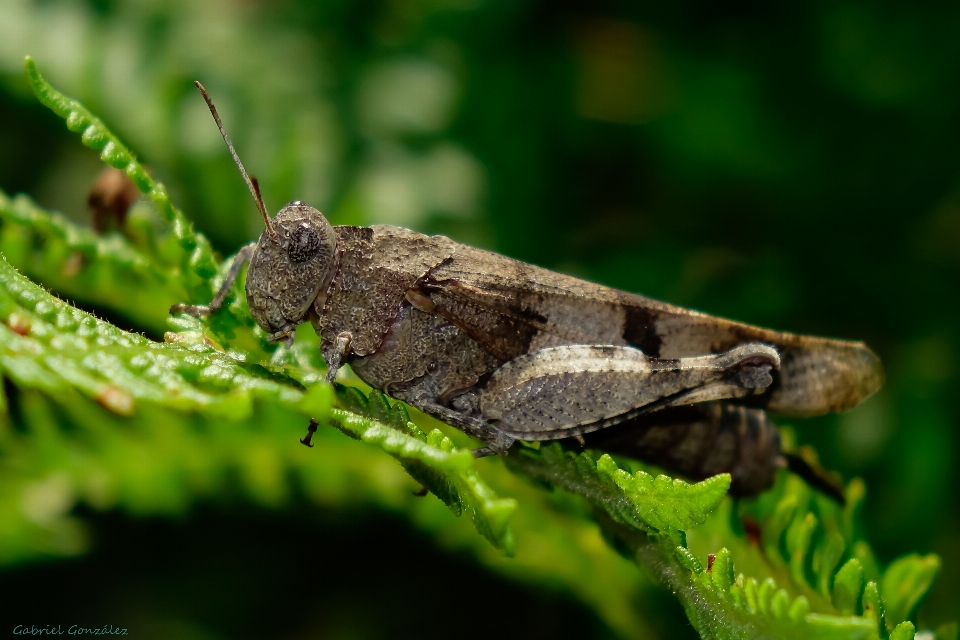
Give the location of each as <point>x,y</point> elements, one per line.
<point>107,272</point>
<point>904,584</point>
<point>447,471</point>
<point>47,344</point>
<point>722,602</point>
<point>826,558</point>
<point>848,587</point>
<point>646,502</point>
<point>798,544</point>
<point>198,257</point>
<point>904,631</point>
<point>644,514</point>
<point>873,608</point>
<point>722,607</point>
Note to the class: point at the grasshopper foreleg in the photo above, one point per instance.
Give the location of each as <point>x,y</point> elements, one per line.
<point>242,257</point>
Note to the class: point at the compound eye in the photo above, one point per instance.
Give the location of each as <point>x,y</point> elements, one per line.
<point>304,243</point>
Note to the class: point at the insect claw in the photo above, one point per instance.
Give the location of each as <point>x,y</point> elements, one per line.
<point>421,492</point>
<point>287,332</point>
<point>311,429</point>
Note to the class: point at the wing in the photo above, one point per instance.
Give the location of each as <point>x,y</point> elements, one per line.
<point>511,308</point>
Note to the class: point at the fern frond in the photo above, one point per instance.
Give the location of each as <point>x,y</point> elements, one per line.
<point>905,582</point>
<point>786,565</point>
<point>651,504</point>
<point>107,272</point>
<point>198,262</point>
<point>797,554</point>
<point>431,459</point>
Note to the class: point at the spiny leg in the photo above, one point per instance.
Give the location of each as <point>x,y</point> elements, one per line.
<point>496,441</point>
<point>243,256</point>
<point>341,346</point>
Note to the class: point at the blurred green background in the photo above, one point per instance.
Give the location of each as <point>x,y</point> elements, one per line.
<point>793,165</point>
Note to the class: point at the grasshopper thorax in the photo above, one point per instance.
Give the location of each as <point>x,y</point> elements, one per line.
<point>290,264</point>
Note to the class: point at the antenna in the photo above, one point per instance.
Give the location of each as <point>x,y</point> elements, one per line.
<point>252,183</point>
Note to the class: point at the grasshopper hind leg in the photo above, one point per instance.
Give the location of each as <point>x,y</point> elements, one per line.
<point>569,390</point>
<point>497,442</point>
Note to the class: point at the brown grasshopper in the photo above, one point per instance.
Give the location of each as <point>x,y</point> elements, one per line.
<point>507,351</point>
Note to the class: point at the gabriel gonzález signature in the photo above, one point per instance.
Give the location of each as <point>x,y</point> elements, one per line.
<point>72,630</point>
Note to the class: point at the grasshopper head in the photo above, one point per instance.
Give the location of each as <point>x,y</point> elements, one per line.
<point>293,260</point>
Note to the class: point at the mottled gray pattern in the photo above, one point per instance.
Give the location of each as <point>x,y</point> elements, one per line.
<point>377,267</point>
<point>504,350</point>
<point>441,324</point>
<point>561,391</point>
<point>281,290</point>
<point>424,358</point>
<point>530,307</point>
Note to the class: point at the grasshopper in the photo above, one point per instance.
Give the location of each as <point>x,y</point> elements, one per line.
<point>507,351</point>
